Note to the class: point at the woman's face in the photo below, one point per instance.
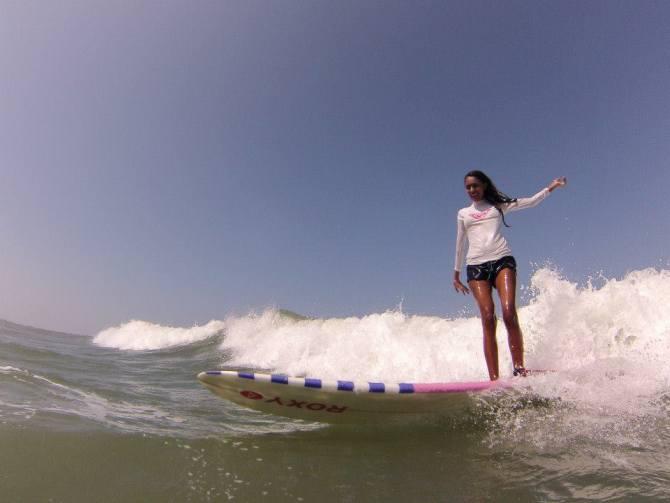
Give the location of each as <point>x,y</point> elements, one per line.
<point>475,188</point>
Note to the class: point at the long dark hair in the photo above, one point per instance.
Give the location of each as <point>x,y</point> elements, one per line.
<point>491,192</point>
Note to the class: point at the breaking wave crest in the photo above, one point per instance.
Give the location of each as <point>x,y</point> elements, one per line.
<point>143,335</point>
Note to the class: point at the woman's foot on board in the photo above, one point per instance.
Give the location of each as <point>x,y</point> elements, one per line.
<point>520,371</point>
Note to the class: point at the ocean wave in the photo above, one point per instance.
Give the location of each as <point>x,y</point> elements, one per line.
<point>566,326</point>
<point>44,396</point>
<point>389,345</point>
<point>143,335</point>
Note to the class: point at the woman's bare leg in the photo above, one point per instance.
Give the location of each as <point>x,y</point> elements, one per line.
<point>481,290</point>
<point>506,286</point>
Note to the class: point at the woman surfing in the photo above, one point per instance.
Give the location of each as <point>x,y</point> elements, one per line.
<point>490,263</point>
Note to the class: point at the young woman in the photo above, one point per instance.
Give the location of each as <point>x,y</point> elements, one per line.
<point>490,263</point>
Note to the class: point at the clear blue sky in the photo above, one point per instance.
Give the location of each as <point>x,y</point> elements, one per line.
<point>180,161</point>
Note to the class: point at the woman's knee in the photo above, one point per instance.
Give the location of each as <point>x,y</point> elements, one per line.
<point>509,315</point>
<point>488,315</point>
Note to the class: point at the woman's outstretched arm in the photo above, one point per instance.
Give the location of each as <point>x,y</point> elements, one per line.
<point>528,202</point>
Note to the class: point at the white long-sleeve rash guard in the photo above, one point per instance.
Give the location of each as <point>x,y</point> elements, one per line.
<point>480,225</point>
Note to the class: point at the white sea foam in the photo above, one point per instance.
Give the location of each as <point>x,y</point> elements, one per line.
<point>567,327</point>
<point>386,346</point>
<point>142,335</point>
<point>619,325</point>
<point>606,339</point>
<point>8,369</point>
<point>68,400</point>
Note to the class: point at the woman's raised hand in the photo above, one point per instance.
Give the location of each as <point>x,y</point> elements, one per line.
<point>561,181</point>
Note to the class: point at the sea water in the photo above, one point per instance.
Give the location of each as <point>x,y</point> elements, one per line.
<point>119,415</point>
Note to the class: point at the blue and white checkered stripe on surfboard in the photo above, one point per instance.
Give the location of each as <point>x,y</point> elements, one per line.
<point>307,382</point>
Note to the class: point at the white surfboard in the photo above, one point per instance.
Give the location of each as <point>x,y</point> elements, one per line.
<point>343,401</point>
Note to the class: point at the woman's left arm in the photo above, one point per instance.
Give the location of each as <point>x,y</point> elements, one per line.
<point>528,202</point>
<point>559,182</point>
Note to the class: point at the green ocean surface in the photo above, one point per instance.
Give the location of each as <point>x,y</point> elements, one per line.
<point>82,420</point>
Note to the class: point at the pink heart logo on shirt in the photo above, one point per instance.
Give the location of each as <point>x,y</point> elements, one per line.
<point>478,215</point>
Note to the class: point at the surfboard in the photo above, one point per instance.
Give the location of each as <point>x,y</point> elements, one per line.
<point>342,401</point>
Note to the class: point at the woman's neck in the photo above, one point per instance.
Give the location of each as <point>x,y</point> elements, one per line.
<point>481,204</point>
